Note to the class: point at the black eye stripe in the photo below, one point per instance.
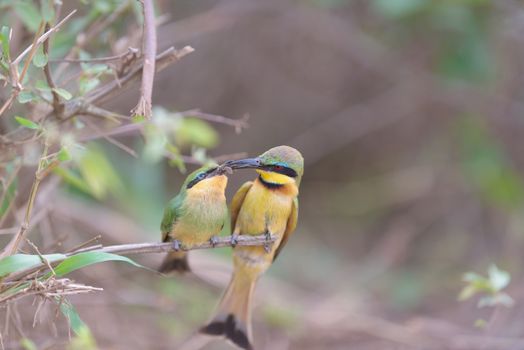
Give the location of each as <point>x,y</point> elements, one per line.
<point>282,170</point>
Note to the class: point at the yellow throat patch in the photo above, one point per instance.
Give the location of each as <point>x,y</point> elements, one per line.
<point>275,178</point>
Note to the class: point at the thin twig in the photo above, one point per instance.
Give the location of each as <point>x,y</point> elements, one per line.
<point>43,37</point>
<point>57,106</point>
<point>238,124</point>
<point>12,246</point>
<point>86,243</point>
<point>42,258</point>
<point>111,140</point>
<point>32,52</point>
<point>130,50</point>
<point>143,108</point>
<point>112,88</point>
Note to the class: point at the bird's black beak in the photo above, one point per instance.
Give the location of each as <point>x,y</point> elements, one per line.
<point>247,163</point>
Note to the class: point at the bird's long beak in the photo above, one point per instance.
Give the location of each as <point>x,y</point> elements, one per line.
<point>247,163</point>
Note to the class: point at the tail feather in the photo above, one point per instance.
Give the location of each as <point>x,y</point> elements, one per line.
<point>233,319</point>
<point>175,261</point>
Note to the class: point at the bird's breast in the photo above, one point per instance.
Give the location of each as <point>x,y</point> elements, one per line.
<point>264,209</point>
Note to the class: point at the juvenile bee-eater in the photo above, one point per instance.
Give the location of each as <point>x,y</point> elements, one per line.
<point>266,205</point>
<point>195,215</point>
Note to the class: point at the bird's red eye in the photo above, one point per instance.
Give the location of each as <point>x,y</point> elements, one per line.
<point>279,167</point>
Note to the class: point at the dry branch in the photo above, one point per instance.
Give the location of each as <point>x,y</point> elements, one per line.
<point>143,108</point>
<point>143,248</point>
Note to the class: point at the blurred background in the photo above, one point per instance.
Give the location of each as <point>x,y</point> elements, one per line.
<point>409,115</point>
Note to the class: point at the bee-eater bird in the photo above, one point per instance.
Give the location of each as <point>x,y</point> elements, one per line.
<point>195,215</point>
<point>266,205</point>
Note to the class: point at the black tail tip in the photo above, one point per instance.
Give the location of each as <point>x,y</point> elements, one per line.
<point>230,330</point>
<point>179,265</point>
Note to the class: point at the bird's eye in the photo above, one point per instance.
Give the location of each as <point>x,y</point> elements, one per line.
<point>278,167</point>
<point>201,176</point>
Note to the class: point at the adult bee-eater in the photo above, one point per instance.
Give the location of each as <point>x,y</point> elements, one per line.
<point>195,215</point>
<point>266,205</point>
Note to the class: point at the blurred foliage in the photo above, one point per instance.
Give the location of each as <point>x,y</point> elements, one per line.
<point>487,166</point>
<point>490,287</point>
<point>458,30</point>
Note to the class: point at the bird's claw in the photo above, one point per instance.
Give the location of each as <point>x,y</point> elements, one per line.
<point>176,245</point>
<point>268,243</point>
<point>234,240</point>
<point>214,241</point>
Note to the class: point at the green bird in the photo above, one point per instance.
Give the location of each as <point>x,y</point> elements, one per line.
<point>195,215</point>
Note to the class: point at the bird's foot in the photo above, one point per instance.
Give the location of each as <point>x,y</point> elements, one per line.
<point>268,243</point>
<point>234,240</point>
<point>176,245</point>
<point>214,241</point>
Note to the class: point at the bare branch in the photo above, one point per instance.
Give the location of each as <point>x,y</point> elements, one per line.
<point>43,37</point>
<point>143,248</point>
<point>238,124</point>
<point>144,105</point>
<point>57,106</point>
<point>130,51</point>
<point>113,88</point>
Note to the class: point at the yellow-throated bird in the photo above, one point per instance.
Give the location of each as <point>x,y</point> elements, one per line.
<point>267,205</point>
<point>195,215</point>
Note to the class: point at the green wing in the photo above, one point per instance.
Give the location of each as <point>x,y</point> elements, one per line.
<point>171,214</point>
<point>290,227</point>
<point>237,201</point>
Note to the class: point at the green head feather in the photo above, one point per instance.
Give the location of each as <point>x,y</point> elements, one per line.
<point>198,175</point>
<point>284,156</point>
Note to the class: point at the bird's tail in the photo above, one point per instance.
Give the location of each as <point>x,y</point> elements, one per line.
<point>175,261</point>
<point>233,318</point>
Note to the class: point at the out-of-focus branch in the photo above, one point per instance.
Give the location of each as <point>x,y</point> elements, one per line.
<point>43,37</point>
<point>114,87</point>
<point>238,124</point>
<point>31,49</point>
<point>57,106</point>
<point>43,170</point>
<point>144,106</point>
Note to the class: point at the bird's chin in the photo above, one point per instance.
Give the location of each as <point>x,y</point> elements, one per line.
<point>275,178</point>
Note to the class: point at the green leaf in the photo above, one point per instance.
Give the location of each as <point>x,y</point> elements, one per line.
<point>75,322</point>
<point>8,195</point>
<point>72,179</point>
<point>87,84</point>
<point>28,14</point>
<point>27,123</point>
<point>99,173</point>
<point>84,340</point>
<point>192,131</point>
<point>66,95</point>
<point>40,59</point>
<point>64,155</point>
<point>42,85</point>
<point>467,292</point>
<point>495,300</point>
<point>480,323</point>
<point>499,279</point>
<point>81,260</point>
<point>27,96</point>
<point>19,262</point>
<point>4,39</point>
<point>28,344</point>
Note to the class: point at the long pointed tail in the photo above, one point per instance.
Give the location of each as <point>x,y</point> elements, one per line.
<point>175,261</point>
<point>233,318</point>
